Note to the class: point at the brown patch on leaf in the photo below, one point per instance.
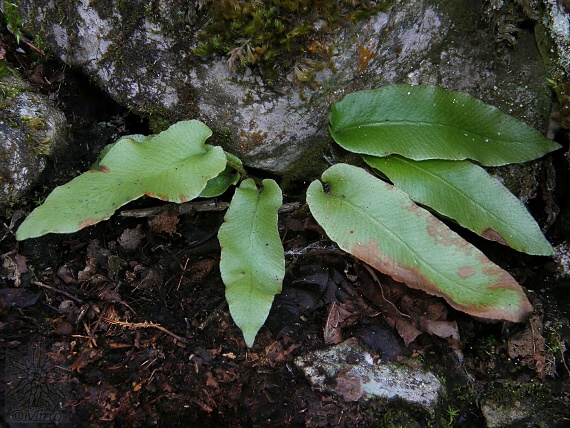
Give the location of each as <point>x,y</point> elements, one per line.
<point>466,271</point>
<point>102,168</point>
<point>517,312</point>
<point>489,268</point>
<point>156,196</point>
<point>412,277</point>
<point>445,236</point>
<point>503,280</point>
<point>493,235</point>
<point>412,207</point>
<point>88,222</point>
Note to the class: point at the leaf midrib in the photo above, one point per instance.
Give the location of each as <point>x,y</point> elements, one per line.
<point>252,232</point>
<point>442,180</point>
<point>392,123</point>
<point>358,208</point>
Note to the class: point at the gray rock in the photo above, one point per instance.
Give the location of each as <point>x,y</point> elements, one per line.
<point>517,404</point>
<point>31,130</point>
<point>145,61</point>
<point>350,372</point>
<point>562,259</point>
<point>556,25</point>
<point>498,415</point>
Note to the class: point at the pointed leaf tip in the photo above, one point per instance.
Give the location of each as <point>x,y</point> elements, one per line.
<point>379,224</point>
<point>466,193</point>
<point>427,122</point>
<point>252,262</point>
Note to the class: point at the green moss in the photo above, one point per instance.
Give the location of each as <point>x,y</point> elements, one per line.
<point>394,419</point>
<point>273,34</point>
<point>505,393</point>
<point>556,347</point>
<point>34,123</point>
<point>4,68</point>
<point>222,137</point>
<point>12,17</point>
<point>158,123</point>
<point>398,415</point>
<point>10,86</point>
<point>39,42</point>
<point>563,92</point>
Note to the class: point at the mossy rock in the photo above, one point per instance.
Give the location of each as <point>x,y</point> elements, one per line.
<point>144,54</point>
<point>31,130</point>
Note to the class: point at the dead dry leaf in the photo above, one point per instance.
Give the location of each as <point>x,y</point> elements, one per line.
<point>405,328</point>
<point>86,357</point>
<point>332,330</point>
<point>201,269</point>
<point>343,315</point>
<point>14,265</point>
<point>348,385</point>
<point>18,297</point>
<point>130,239</point>
<point>166,221</point>
<point>529,346</point>
<point>411,312</point>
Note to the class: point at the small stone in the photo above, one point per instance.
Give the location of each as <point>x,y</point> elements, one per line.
<point>130,239</point>
<point>498,415</point>
<point>362,379</point>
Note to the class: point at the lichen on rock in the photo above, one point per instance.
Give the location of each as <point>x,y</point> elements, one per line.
<point>31,130</point>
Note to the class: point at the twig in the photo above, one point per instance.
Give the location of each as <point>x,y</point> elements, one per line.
<point>289,207</point>
<point>179,209</point>
<point>183,272</point>
<point>314,248</point>
<point>145,324</point>
<point>93,330</point>
<point>27,41</point>
<point>371,272</point>
<point>193,207</point>
<point>69,296</point>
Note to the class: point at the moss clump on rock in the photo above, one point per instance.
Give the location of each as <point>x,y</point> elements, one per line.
<point>273,34</point>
